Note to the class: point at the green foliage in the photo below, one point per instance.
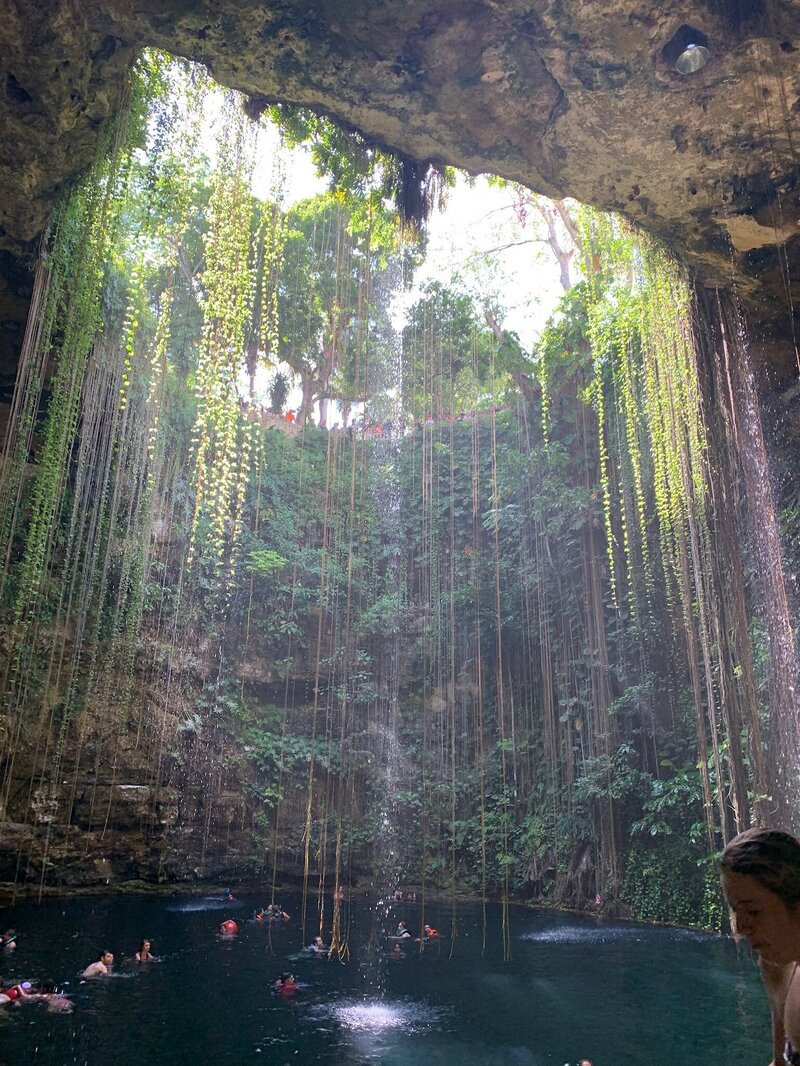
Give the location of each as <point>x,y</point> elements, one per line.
<point>360,170</point>
<point>674,806</point>
<point>264,562</point>
<point>666,884</point>
<point>449,359</point>
<point>278,393</point>
<point>221,444</point>
<point>328,330</point>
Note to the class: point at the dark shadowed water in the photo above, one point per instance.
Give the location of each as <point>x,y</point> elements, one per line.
<point>623,995</point>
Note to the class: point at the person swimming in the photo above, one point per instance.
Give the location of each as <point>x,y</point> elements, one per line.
<point>429,933</point>
<point>228,927</point>
<point>403,932</point>
<point>259,915</point>
<point>144,954</point>
<point>100,968</point>
<point>15,992</point>
<point>275,913</point>
<point>53,1000</point>
<point>286,985</point>
<point>317,946</point>
<point>10,993</point>
<point>8,940</point>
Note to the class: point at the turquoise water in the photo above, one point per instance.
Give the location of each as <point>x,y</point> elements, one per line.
<point>620,994</point>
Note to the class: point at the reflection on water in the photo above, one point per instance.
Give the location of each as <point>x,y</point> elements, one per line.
<point>205,903</point>
<point>604,933</point>
<point>575,987</point>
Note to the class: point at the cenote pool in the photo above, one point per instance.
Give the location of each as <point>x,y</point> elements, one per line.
<point>623,995</point>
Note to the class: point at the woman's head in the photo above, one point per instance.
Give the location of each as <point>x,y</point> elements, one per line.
<point>761,879</point>
<point>771,857</point>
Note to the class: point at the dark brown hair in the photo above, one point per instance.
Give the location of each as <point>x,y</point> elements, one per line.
<point>771,857</point>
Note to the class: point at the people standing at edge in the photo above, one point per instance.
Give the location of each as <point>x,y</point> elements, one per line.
<point>760,871</point>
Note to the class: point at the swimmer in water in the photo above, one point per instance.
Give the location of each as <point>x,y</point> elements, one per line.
<point>52,999</point>
<point>397,952</point>
<point>143,954</point>
<point>101,968</point>
<point>429,933</point>
<point>276,914</point>
<point>9,993</point>
<point>286,985</point>
<point>8,940</point>
<point>259,915</point>
<point>403,932</point>
<point>228,928</point>
<point>14,993</point>
<point>317,947</point>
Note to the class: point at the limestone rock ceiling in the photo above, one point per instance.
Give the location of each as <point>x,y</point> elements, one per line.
<point>570,97</point>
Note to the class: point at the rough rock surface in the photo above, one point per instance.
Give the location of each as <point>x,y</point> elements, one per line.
<point>567,96</point>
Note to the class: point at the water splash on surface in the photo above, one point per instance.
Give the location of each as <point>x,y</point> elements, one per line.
<point>377,1016</point>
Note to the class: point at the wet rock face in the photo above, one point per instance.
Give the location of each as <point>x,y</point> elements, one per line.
<point>568,97</point>
<point>60,79</point>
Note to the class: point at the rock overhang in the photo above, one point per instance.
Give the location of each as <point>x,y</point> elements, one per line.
<point>567,97</point>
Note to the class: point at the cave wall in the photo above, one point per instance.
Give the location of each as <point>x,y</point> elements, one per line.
<point>568,97</point>
<point>156,790</point>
